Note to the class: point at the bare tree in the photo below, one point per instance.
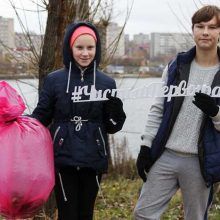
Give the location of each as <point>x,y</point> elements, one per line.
<point>59,15</point>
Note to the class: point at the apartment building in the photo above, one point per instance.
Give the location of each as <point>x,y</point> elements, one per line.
<point>29,42</point>
<point>113,32</point>
<point>7,38</point>
<point>141,39</point>
<point>169,44</point>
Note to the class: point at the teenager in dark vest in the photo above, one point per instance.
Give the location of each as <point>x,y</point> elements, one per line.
<point>180,144</point>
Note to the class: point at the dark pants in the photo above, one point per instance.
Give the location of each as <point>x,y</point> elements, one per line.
<point>80,188</point>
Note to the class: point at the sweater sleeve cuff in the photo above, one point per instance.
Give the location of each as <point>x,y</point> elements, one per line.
<point>216,119</point>
<point>146,140</point>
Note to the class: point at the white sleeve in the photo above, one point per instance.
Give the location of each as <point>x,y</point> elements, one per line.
<point>155,116</point>
<point>216,121</point>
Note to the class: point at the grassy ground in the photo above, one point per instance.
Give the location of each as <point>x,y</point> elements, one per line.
<point>120,197</point>
<point>117,199</point>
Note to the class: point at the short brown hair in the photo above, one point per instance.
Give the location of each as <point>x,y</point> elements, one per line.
<point>206,13</point>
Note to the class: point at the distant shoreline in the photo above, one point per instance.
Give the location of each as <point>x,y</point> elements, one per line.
<point>14,77</point>
<point>122,75</point>
<point>147,75</point>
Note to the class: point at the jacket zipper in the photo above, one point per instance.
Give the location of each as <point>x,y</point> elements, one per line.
<point>201,150</point>
<point>55,134</point>
<point>82,78</point>
<point>100,131</point>
<point>82,74</point>
<point>62,188</point>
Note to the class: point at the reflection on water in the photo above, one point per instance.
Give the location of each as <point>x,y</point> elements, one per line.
<point>136,112</point>
<point>135,109</point>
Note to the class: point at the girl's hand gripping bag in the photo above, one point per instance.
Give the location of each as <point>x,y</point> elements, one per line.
<point>26,158</point>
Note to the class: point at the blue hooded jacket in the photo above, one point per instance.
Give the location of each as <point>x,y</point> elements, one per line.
<point>209,137</point>
<point>79,130</point>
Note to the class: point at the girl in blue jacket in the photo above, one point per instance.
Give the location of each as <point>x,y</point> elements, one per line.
<point>79,129</point>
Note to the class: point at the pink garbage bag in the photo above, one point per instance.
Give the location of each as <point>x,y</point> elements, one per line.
<point>11,103</point>
<point>26,159</point>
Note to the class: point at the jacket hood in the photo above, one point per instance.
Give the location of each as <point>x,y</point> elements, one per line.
<point>67,51</point>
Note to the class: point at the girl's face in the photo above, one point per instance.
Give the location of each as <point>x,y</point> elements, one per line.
<point>84,49</point>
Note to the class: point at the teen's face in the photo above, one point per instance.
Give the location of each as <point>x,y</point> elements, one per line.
<point>84,49</point>
<point>206,34</point>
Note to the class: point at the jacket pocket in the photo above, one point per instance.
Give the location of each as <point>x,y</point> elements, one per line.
<point>59,139</point>
<point>101,142</point>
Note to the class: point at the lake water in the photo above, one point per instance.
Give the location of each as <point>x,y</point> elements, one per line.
<point>135,109</point>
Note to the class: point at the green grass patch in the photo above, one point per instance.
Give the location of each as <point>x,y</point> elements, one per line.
<point>121,196</point>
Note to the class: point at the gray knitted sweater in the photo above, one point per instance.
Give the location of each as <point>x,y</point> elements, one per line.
<point>184,136</point>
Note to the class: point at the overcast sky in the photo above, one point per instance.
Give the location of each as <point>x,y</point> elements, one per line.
<point>146,15</point>
<point>162,15</point>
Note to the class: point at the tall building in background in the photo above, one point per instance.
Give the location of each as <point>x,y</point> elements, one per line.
<point>7,36</point>
<point>128,46</point>
<point>26,42</point>
<point>141,47</point>
<point>113,31</point>
<point>168,44</point>
<point>141,39</point>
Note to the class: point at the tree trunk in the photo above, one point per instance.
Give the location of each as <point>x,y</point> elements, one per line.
<point>60,14</point>
<point>102,28</point>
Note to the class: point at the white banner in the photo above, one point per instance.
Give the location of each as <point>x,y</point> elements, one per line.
<point>156,89</point>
